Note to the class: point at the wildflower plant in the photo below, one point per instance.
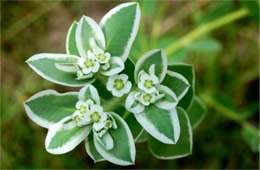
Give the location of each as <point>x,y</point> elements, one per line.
<point>119,102</point>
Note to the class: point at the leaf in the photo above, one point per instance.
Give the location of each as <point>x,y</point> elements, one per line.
<point>204,45</point>
<point>169,101</point>
<point>88,28</point>
<point>156,57</point>
<point>44,64</point>
<point>132,105</point>
<point>177,83</point>
<point>252,138</point>
<point>186,71</point>
<point>161,124</point>
<point>91,149</point>
<point>134,126</point>
<point>116,66</point>
<point>60,140</point>
<point>129,70</point>
<point>89,92</point>
<point>48,107</point>
<point>71,46</point>
<point>196,112</point>
<point>106,140</point>
<point>182,148</point>
<point>142,136</point>
<point>253,8</point>
<point>123,152</point>
<point>120,26</point>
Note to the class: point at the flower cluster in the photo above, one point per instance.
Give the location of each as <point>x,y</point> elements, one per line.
<point>119,85</point>
<point>87,112</point>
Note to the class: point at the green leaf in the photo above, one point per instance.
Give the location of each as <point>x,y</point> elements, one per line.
<point>182,148</point>
<point>253,8</point>
<point>196,112</point>
<point>60,140</point>
<point>169,100</point>
<point>204,45</point>
<point>156,57</point>
<point>186,71</point>
<point>142,136</point>
<point>116,66</point>
<point>161,124</point>
<point>134,126</point>
<point>120,26</point>
<point>252,138</point>
<point>129,70</point>
<point>88,28</point>
<point>177,83</point>
<point>89,92</point>
<point>106,140</point>
<point>48,107</point>
<point>45,64</point>
<point>71,45</point>
<point>123,152</point>
<point>91,149</point>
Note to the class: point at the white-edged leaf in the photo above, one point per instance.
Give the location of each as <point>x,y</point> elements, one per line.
<point>132,105</point>
<point>88,28</point>
<point>60,140</point>
<point>142,136</point>
<point>48,107</point>
<point>89,92</point>
<point>156,57</point>
<point>182,148</point>
<point>120,26</point>
<point>169,100</point>
<point>116,66</point>
<point>196,112</point>
<point>71,46</point>
<point>44,64</point>
<point>106,140</point>
<point>161,124</point>
<point>123,152</point>
<point>177,83</point>
<point>91,149</point>
<point>186,71</point>
<point>66,67</point>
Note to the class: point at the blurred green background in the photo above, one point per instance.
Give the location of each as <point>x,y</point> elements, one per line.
<point>223,46</point>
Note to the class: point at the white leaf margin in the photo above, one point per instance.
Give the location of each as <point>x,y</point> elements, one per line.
<point>182,78</point>
<point>147,55</point>
<point>98,34</point>
<point>51,56</point>
<point>110,157</point>
<point>68,36</point>
<point>151,129</point>
<point>70,145</point>
<point>34,117</point>
<point>165,104</point>
<point>87,147</point>
<point>191,142</point>
<point>113,11</point>
<point>93,91</point>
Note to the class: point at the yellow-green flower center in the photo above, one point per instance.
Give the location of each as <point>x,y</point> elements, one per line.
<point>148,83</point>
<point>118,84</point>
<point>82,109</point>
<point>147,97</point>
<point>78,119</point>
<point>95,117</point>
<point>101,57</point>
<point>89,63</point>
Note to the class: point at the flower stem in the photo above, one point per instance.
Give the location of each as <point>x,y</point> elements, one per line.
<point>205,28</point>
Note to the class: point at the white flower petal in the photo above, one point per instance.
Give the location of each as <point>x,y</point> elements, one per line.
<point>116,66</point>
<point>99,125</point>
<point>86,70</point>
<point>117,93</point>
<point>127,87</point>
<point>152,69</point>
<point>124,77</point>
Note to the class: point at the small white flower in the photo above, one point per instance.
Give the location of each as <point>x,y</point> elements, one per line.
<point>89,64</point>
<point>101,56</point>
<point>98,117</point>
<point>80,116</point>
<point>119,84</point>
<point>146,81</point>
<point>147,98</point>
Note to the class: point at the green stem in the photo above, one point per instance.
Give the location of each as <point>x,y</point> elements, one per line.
<point>210,26</point>
<point>210,101</point>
